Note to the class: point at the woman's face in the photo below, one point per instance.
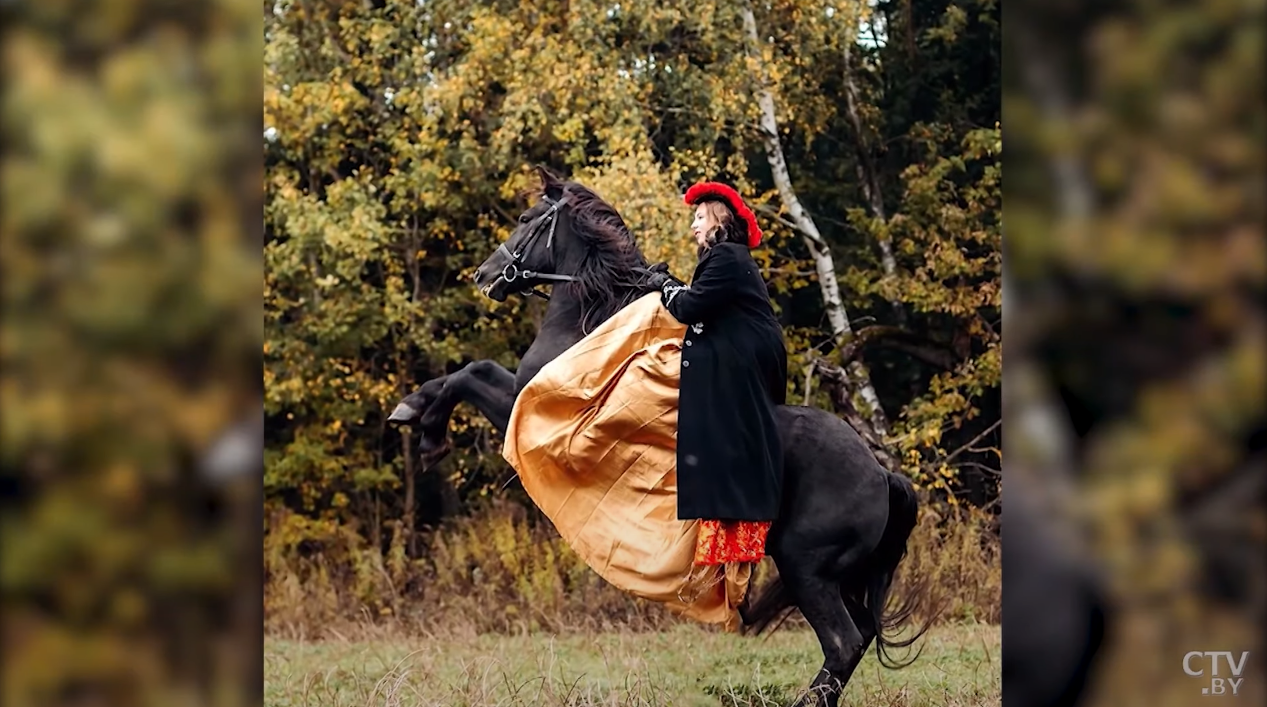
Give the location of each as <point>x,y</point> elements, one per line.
<point>703,224</point>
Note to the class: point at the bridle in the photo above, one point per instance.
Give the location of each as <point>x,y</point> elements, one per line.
<point>515,270</point>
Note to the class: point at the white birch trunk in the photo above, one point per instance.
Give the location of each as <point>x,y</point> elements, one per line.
<point>823,262</point>
<point>1073,188</point>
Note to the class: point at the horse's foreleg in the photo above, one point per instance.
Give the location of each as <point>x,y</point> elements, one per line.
<point>484,384</point>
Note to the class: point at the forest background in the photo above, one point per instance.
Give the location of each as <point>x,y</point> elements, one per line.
<point>398,136</point>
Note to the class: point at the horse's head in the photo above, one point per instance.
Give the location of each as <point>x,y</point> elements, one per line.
<point>538,250</point>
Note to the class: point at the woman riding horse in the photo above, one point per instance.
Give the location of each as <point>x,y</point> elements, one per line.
<point>733,375</point>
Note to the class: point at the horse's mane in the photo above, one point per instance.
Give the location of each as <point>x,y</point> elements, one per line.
<point>613,271</point>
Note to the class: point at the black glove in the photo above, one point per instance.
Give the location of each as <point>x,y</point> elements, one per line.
<point>657,280</point>
<point>658,276</point>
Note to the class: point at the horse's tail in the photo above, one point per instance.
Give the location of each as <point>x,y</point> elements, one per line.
<point>903,513</point>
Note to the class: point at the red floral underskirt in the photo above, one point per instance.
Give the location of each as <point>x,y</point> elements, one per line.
<point>723,541</point>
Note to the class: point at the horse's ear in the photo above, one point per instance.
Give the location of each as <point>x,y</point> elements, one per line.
<point>551,184</point>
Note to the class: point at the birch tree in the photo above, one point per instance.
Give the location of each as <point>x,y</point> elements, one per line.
<point>825,267</point>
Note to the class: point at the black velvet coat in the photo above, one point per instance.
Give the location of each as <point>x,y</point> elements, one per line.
<point>734,373</point>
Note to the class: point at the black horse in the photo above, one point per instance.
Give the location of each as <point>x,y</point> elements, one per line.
<point>844,520</point>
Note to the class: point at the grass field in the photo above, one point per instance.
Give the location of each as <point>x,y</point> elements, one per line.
<point>682,667</point>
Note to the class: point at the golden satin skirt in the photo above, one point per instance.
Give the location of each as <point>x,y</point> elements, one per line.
<point>593,437</point>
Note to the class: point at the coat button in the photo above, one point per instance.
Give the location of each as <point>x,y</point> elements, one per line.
<point>686,364</point>
<point>688,342</point>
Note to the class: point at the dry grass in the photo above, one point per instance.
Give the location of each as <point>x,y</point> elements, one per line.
<point>956,553</point>
<point>684,666</point>
<point>506,571</point>
<point>501,612</point>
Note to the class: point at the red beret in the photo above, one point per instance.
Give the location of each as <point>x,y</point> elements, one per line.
<point>716,191</point>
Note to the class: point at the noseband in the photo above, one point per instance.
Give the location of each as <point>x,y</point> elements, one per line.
<point>515,270</point>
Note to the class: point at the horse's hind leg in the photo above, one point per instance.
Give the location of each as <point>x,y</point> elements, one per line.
<point>865,624</point>
<point>821,604</point>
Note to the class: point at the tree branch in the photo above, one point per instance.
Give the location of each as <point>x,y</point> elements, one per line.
<point>809,381</point>
<point>787,271</point>
<point>839,385</point>
<point>774,214</point>
<point>901,340</point>
<point>932,355</point>
<point>968,447</point>
<point>980,467</point>
<point>868,174</point>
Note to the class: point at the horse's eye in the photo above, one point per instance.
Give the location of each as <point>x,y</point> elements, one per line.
<point>523,218</point>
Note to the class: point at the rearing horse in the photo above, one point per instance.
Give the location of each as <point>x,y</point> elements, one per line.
<point>844,520</point>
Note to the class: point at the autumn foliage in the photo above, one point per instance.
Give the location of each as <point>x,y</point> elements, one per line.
<point>398,136</point>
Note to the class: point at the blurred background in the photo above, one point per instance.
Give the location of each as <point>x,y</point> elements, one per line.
<point>131,369</point>
<point>144,191</point>
<point>1134,376</point>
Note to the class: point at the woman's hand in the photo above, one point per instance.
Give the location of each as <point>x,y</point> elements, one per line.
<point>658,280</point>
<point>658,275</point>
